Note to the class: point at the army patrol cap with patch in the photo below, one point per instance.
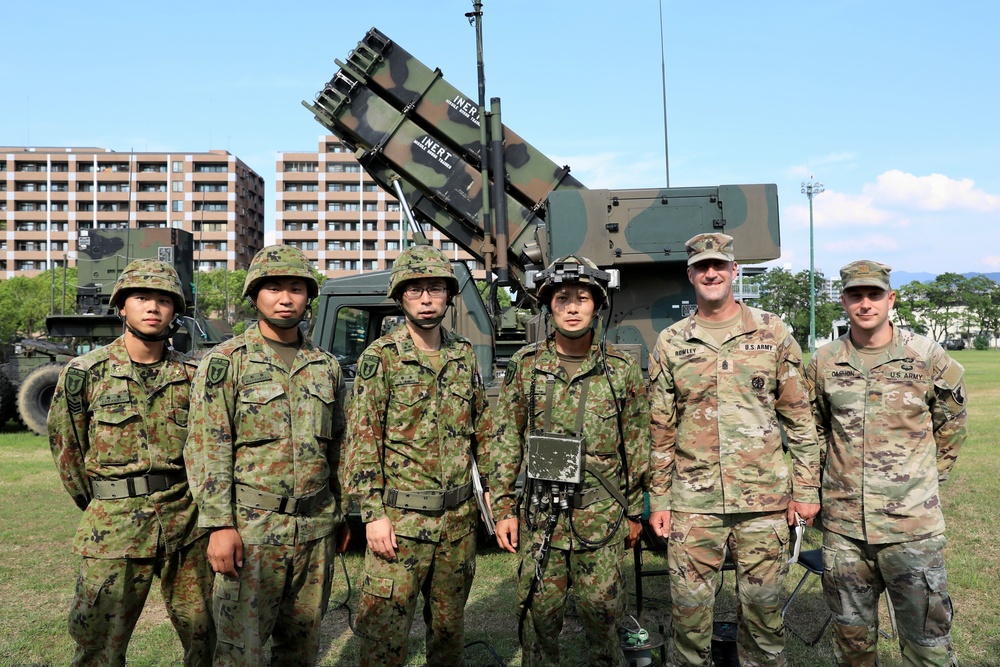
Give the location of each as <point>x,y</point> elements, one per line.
<point>710,246</point>
<point>865,273</point>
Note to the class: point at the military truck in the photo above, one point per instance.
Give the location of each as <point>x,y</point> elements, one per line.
<point>461,171</point>
<point>28,378</point>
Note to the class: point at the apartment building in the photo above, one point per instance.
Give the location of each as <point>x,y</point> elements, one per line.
<point>48,194</point>
<point>327,206</point>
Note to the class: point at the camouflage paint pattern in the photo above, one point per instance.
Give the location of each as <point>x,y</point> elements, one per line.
<point>512,420</point>
<point>103,255</point>
<point>104,424</point>
<point>389,593</point>
<point>255,423</point>
<point>855,574</point>
<point>282,593</point>
<point>715,419</point>
<point>594,579</point>
<point>111,593</point>
<point>406,83</point>
<point>890,435</point>
<point>414,428</point>
<point>278,431</point>
<point>758,543</point>
<point>594,571</point>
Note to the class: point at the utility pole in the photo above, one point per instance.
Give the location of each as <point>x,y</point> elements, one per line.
<point>810,190</point>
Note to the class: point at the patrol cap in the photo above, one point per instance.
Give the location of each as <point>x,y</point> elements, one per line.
<point>710,246</point>
<point>865,273</point>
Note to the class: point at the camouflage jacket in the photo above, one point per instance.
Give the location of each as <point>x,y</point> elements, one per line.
<point>412,428</point>
<point>715,413</point>
<point>535,365</point>
<point>257,424</point>
<point>104,426</point>
<point>889,434</point>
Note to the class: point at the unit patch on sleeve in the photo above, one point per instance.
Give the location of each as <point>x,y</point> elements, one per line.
<point>76,378</point>
<point>368,366</point>
<point>217,369</point>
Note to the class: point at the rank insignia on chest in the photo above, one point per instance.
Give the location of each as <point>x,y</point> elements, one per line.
<point>217,369</point>
<point>368,366</point>
<point>726,366</point>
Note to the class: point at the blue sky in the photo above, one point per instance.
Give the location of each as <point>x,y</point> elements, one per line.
<point>891,104</point>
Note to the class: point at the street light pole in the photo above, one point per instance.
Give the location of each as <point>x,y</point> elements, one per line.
<point>810,190</point>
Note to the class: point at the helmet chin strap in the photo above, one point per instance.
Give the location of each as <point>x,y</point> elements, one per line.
<point>578,333</point>
<point>167,333</point>
<point>428,323</point>
<point>281,323</point>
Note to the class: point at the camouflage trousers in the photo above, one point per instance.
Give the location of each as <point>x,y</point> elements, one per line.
<point>758,544</point>
<point>443,572</point>
<point>854,576</point>
<point>281,594</point>
<point>111,592</point>
<point>598,590</point>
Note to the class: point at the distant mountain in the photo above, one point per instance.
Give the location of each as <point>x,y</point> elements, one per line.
<point>900,278</point>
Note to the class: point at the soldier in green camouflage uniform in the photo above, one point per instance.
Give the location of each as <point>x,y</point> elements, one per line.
<point>571,385</point>
<point>890,410</point>
<point>722,379</point>
<point>418,414</point>
<point>117,425</point>
<point>263,456</point>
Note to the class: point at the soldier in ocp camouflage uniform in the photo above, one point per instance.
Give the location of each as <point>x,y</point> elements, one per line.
<point>722,379</point>
<point>117,425</point>
<point>571,385</point>
<point>418,414</point>
<point>890,410</point>
<point>263,456</point>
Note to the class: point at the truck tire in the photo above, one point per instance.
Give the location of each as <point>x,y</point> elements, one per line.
<point>8,400</point>
<point>35,396</point>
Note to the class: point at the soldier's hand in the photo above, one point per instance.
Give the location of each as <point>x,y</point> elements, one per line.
<point>807,511</point>
<point>507,534</point>
<point>660,523</point>
<point>381,538</point>
<point>634,531</point>
<point>343,538</point>
<point>225,551</point>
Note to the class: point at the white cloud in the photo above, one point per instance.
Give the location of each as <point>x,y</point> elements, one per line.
<point>991,261</point>
<point>936,192</point>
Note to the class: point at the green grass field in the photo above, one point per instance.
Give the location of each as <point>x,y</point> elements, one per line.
<point>38,568</point>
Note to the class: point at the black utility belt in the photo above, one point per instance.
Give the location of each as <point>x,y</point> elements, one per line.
<point>428,501</point>
<point>293,505</point>
<point>136,486</point>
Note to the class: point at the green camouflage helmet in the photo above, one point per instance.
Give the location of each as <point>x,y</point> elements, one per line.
<point>149,274</point>
<point>279,261</point>
<point>421,261</point>
<point>569,270</point>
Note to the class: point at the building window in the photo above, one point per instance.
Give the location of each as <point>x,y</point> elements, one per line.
<point>209,246</point>
<point>177,186</point>
<point>447,245</point>
<point>152,187</point>
<point>155,224</point>
<point>56,187</point>
<point>210,168</point>
<point>368,245</point>
<point>369,265</point>
<point>301,226</point>
<point>393,225</point>
<point>293,186</point>
<point>392,245</point>
<point>371,208</point>
<point>337,226</point>
<point>178,166</point>
<point>392,207</point>
<point>211,187</point>
<point>153,167</point>
<point>337,148</point>
<point>334,187</point>
<point>342,206</point>
<point>176,206</point>
<point>211,207</point>
<point>209,226</point>
<point>371,226</point>
<point>371,187</point>
<point>303,245</point>
<point>301,166</point>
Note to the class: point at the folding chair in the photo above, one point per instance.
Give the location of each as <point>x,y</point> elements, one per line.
<point>812,561</point>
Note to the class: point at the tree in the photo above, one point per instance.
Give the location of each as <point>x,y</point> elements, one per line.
<point>787,296</point>
<point>982,300</point>
<point>25,302</point>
